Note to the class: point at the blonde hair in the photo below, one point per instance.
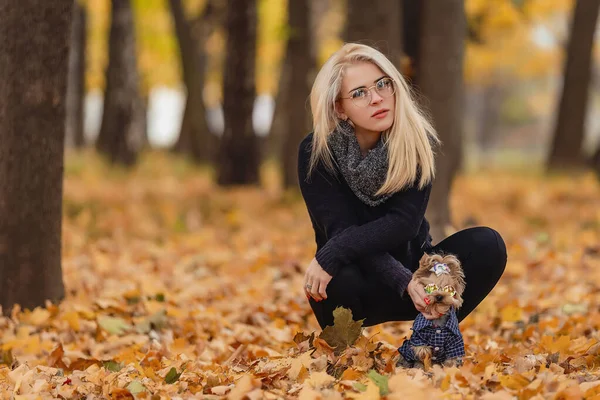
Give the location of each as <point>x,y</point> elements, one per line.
<point>410,138</point>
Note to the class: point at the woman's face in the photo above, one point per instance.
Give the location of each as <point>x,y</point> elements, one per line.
<point>367,98</point>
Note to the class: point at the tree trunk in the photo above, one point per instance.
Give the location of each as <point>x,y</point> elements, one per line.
<point>122,131</point>
<point>300,67</point>
<point>441,82</point>
<point>280,124</point>
<point>375,23</point>
<point>412,21</point>
<point>238,153</point>
<point>318,10</point>
<point>195,139</point>
<point>34,43</point>
<point>566,151</point>
<point>76,79</point>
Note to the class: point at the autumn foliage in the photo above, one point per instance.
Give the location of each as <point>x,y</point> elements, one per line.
<point>179,289</point>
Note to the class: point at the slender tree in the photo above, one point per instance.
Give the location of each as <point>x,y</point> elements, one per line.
<point>76,79</point>
<point>301,64</point>
<point>238,152</point>
<point>375,23</point>
<point>566,150</point>
<point>195,138</point>
<point>34,43</point>
<point>440,79</point>
<point>123,127</point>
<point>411,22</point>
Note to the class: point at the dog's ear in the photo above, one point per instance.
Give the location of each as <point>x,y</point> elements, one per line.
<point>425,264</point>
<point>423,269</point>
<point>457,273</point>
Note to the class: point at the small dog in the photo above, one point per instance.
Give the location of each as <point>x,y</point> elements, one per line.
<point>438,341</point>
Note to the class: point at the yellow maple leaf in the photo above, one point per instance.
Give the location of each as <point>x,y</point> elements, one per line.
<point>553,345</point>
<point>511,314</point>
<point>514,381</point>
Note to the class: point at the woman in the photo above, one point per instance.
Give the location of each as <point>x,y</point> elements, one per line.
<point>365,174</point>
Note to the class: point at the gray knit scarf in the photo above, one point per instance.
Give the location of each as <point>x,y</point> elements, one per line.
<point>364,175</point>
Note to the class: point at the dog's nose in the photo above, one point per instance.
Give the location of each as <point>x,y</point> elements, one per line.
<point>439,297</point>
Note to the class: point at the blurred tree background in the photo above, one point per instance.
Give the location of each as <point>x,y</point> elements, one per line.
<point>230,92</point>
<point>513,67</point>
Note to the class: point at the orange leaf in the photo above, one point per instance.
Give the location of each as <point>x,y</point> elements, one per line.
<point>515,381</point>
<point>351,374</point>
<point>121,394</point>
<point>55,358</point>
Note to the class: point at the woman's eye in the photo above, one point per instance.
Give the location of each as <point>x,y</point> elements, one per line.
<point>383,83</point>
<point>358,93</point>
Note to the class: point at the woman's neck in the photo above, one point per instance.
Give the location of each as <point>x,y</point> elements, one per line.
<point>366,140</point>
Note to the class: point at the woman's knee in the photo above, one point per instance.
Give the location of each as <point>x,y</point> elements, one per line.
<point>488,243</point>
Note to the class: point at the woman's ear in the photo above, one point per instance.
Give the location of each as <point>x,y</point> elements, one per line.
<point>340,110</point>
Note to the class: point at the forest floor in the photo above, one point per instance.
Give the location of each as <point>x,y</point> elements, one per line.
<point>178,289</point>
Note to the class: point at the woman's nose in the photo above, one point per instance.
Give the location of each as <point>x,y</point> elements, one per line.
<point>376,97</point>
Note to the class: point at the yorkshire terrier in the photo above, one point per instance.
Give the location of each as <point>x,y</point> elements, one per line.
<point>438,340</point>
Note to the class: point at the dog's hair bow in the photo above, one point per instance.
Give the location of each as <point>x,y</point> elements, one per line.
<point>440,269</point>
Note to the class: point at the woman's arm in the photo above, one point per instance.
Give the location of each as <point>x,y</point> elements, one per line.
<point>400,224</point>
<point>329,210</point>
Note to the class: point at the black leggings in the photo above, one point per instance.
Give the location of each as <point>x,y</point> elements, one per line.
<point>481,251</point>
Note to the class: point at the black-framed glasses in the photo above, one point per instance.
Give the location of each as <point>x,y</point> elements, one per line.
<point>361,97</point>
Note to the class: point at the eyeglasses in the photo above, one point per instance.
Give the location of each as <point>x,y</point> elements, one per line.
<point>362,96</point>
<point>432,287</point>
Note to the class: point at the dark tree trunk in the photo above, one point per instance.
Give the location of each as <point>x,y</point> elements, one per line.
<point>238,153</point>
<point>300,66</point>
<point>76,79</point>
<point>195,139</point>
<point>280,124</point>
<point>279,127</point>
<point>441,82</point>
<point>411,34</point>
<point>375,23</point>
<point>566,151</point>
<point>34,43</point>
<point>122,132</point>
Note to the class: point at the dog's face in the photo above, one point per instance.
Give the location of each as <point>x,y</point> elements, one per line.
<point>444,282</point>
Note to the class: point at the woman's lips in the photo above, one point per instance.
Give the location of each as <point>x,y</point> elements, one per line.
<point>380,114</point>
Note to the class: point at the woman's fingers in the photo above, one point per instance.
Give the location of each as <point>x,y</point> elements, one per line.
<point>308,284</point>
<point>322,290</point>
<point>314,291</point>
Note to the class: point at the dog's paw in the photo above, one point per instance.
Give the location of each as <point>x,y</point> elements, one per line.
<point>403,362</point>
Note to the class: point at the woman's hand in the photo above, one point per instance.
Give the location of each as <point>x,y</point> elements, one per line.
<point>316,281</point>
<point>416,291</point>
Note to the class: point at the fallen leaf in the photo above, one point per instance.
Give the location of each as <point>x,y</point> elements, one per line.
<point>344,332</point>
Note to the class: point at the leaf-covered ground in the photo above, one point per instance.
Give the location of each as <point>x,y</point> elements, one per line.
<point>178,289</point>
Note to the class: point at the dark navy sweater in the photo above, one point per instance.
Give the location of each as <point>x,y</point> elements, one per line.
<point>389,238</point>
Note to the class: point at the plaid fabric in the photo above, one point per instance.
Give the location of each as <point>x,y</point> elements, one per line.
<point>446,341</point>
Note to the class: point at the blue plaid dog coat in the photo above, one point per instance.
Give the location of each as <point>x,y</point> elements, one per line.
<point>446,341</point>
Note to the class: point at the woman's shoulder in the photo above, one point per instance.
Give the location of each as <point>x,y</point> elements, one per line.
<point>306,143</point>
<point>305,149</point>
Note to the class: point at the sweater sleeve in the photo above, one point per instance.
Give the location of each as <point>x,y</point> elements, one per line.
<point>400,224</point>
<point>328,207</point>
